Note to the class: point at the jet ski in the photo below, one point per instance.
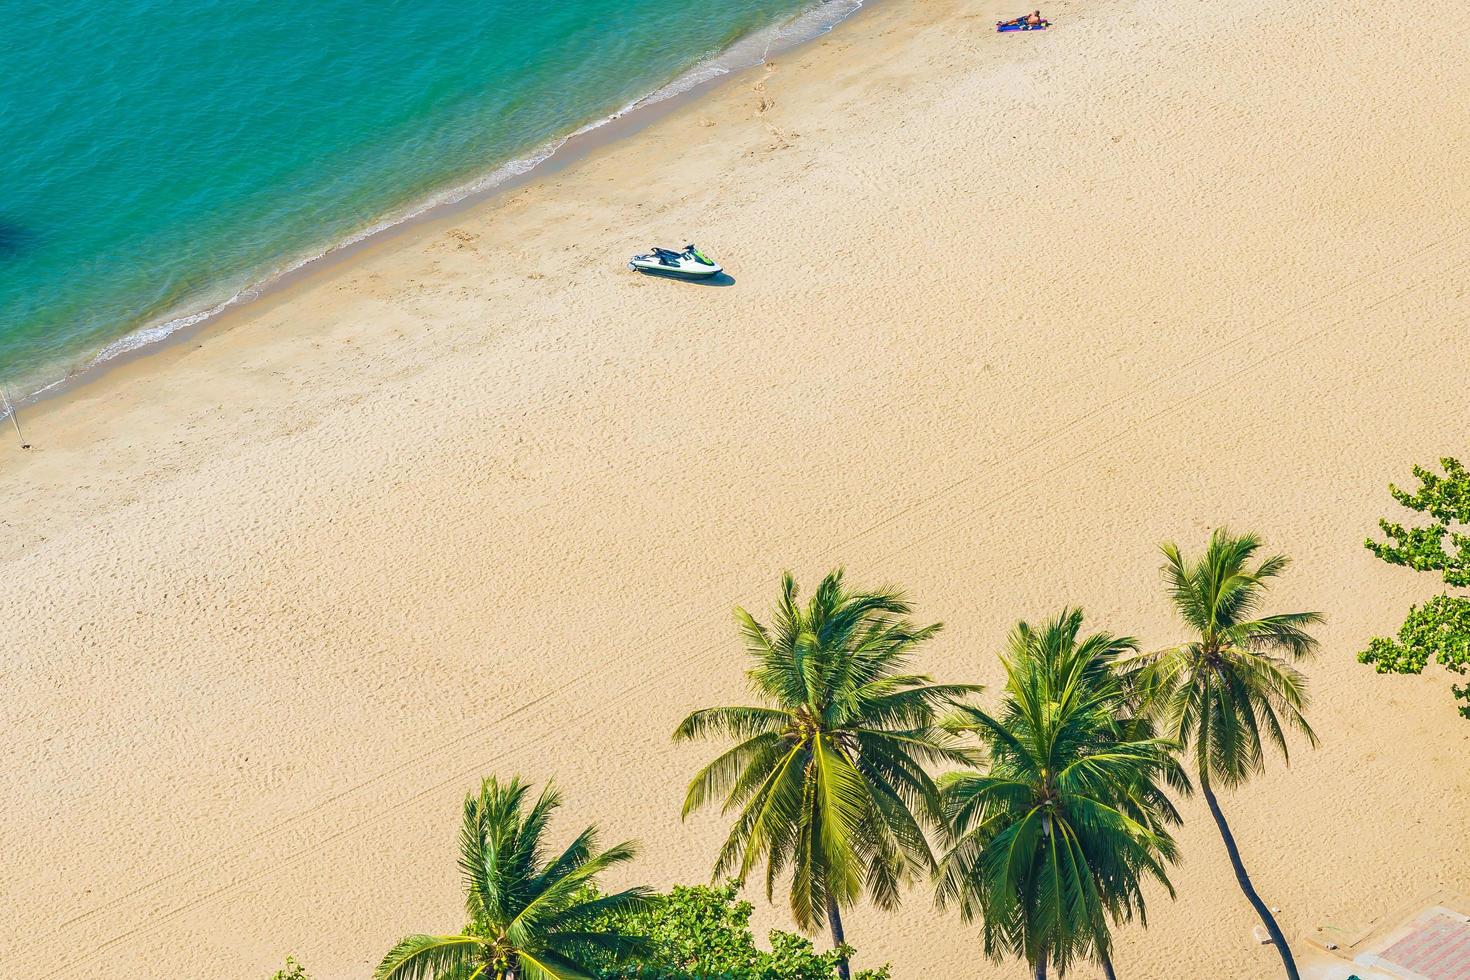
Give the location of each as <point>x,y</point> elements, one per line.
<point>688,264</point>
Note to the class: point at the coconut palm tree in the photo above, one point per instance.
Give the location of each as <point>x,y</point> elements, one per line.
<point>827,772</point>
<point>530,918</point>
<point>1058,837</point>
<point>1230,691</point>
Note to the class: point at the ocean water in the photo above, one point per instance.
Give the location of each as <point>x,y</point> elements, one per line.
<point>162,156</point>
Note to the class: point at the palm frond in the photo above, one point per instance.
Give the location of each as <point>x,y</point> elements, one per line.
<point>545,964</point>
<point>586,910</point>
<point>571,858</point>
<point>1283,632</point>
<point>732,722</point>
<point>428,957</point>
<point>556,897</point>
<point>759,826</point>
<point>730,771</point>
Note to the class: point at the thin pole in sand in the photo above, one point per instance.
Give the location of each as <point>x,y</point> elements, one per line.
<point>14,418</point>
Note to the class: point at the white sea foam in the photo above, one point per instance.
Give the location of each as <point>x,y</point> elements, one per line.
<point>748,52</point>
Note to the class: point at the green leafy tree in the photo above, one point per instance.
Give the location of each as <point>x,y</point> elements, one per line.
<point>703,933</point>
<point>1439,630</point>
<point>827,777</point>
<point>1231,691</point>
<point>530,917</point>
<point>1055,842</point>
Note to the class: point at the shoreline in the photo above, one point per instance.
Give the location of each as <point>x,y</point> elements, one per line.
<point>551,157</point>
<point>480,501</point>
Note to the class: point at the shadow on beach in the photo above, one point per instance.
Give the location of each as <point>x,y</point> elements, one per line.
<point>721,279</point>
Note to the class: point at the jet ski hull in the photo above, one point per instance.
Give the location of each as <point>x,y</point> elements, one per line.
<point>683,270</point>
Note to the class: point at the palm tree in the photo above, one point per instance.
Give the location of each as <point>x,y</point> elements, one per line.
<point>1231,689</point>
<point>1060,835</point>
<point>827,774</point>
<point>529,918</point>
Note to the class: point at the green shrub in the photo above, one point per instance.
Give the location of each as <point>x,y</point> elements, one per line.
<point>293,971</point>
<point>701,932</point>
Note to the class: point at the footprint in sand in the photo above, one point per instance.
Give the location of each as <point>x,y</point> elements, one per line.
<point>781,138</point>
<point>764,101</point>
<point>459,239</point>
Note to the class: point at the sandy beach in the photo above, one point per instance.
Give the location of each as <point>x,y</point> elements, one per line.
<point>1007,311</point>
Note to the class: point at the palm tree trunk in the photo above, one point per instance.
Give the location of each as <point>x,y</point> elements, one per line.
<point>1107,965</point>
<point>1272,928</point>
<point>1040,972</point>
<point>834,919</point>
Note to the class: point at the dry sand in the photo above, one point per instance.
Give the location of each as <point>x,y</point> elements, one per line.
<point>1007,311</point>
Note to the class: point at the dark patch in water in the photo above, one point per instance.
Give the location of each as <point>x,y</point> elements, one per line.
<point>14,238</point>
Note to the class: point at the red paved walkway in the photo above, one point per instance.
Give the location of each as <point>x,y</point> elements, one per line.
<point>1439,950</point>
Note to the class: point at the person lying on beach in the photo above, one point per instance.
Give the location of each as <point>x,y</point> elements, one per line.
<point>1033,19</point>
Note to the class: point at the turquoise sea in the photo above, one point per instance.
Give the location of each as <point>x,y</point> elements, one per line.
<point>161,156</point>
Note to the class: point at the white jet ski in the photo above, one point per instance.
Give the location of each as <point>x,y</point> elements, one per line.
<point>688,264</point>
